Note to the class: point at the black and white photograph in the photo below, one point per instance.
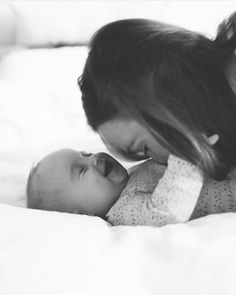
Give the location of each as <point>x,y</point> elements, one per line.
<point>118,147</point>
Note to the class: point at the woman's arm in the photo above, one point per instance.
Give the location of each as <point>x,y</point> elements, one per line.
<point>176,194</point>
<point>172,201</point>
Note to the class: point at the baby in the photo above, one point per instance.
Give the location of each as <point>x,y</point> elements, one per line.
<point>76,182</point>
<point>96,184</point>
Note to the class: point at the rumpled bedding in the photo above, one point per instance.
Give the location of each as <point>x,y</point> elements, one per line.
<point>57,253</point>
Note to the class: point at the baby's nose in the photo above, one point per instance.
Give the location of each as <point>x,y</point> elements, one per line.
<point>85,154</point>
<point>93,160</point>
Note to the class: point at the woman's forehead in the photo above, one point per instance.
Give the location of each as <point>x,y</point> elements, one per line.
<point>120,133</point>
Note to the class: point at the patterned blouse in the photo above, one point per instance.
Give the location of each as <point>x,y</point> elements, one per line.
<point>157,195</point>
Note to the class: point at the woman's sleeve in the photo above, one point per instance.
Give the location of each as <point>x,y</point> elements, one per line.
<point>172,201</point>
<point>176,194</point>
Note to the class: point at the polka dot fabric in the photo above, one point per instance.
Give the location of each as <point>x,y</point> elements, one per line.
<point>157,195</point>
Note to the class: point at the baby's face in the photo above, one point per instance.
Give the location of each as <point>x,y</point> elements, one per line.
<point>86,183</point>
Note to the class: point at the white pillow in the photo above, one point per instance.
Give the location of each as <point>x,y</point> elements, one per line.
<point>39,94</point>
<point>40,101</point>
<point>32,124</point>
<point>40,111</point>
<point>40,23</point>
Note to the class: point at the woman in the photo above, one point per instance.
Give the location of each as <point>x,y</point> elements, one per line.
<point>150,89</point>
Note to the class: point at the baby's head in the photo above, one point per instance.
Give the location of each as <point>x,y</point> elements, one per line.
<point>76,182</point>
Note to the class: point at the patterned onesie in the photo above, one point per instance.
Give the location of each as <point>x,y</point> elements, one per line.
<point>158,195</point>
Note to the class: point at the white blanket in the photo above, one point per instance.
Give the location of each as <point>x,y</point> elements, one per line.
<point>56,253</point>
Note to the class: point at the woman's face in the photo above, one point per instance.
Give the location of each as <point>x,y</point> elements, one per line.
<point>131,140</point>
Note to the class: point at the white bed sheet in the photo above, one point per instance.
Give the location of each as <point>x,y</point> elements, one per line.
<point>56,253</point>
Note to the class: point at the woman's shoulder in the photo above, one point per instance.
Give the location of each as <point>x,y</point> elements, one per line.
<point>145,176</point>
<point>146,165</point>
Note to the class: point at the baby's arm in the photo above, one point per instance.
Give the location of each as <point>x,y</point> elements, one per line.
<point>172,201</point>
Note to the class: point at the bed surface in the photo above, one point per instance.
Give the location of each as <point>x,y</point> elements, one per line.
<point>40,111</point>
<point>54,253</point>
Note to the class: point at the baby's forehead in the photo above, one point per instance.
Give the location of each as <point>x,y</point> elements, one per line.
<point>47,181</point>
<point>54,170</point>
<point>60,157</point>
<point>51,162</point>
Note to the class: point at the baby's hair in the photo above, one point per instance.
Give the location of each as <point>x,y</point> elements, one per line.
<point>170,80</point>
<point>33,200</point>
<point>37,193</point>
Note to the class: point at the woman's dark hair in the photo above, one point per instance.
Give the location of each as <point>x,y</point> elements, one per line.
<point>170,80</point>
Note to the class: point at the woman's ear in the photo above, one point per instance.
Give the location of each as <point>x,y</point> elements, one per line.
<point>213,139</point>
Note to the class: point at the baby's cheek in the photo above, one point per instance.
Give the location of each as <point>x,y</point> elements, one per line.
<point>108,190</point>
<point>113,190</point>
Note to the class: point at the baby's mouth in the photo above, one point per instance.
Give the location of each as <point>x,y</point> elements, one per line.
<point>108,168</point>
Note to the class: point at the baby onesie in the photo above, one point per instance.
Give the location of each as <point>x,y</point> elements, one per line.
<point>158,195</point>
